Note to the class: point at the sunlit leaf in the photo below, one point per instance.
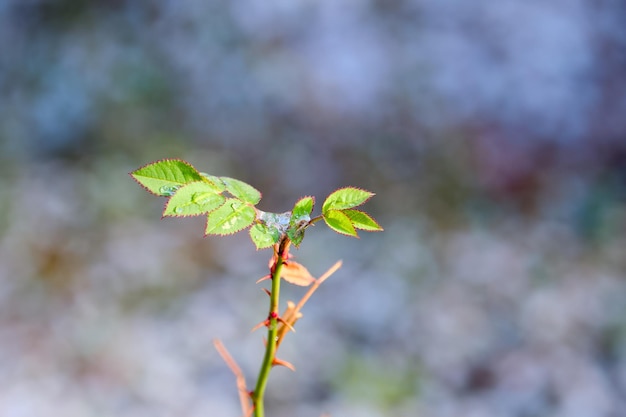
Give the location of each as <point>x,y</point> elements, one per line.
<point>339,222</point>
<point>241,190</point>
<point>164,177</point>
<point>302,209</point>
<point>295,235</point>
<point>193,199</point>
<point>300,217</point>
<point>363,221</point>
<point>345,198</point>
<point>231,217</point>
<point>215,181</point>
<point>263,236</point>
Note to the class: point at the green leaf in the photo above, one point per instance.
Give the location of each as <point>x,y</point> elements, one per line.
<point>345,198</point>
<point>295,235</point>
<point>263,236</point>
<point>302,209</point>
<point>363,221</point>
<point>300,217</point>
<point>242,190</point>
<point>233,216</point>
<point>164,177</point>
<point>339,222</point>
<point>215,181</point>
<point>193,199</point>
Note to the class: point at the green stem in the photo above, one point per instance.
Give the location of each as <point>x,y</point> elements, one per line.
<point>315,219</point>
<point>272,334</point>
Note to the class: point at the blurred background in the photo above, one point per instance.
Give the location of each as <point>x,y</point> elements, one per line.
<point>494,134</point>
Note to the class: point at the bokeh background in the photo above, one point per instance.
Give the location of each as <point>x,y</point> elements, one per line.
<point>493,132</point>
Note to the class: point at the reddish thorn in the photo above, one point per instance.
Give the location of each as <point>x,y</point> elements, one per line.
<point>265,278</point>
<point>267,292</point>
<point>289,326</point>
<point>265,323</point>
<point>281,362</point>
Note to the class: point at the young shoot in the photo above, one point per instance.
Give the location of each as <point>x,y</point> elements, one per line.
<point>229,206</point>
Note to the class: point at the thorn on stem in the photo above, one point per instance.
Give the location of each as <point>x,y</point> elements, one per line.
<point>280,362</point>
<point>264,278</point>
<point>265,323</point>
<point>289,326</point>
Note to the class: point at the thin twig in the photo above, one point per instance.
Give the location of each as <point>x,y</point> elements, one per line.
<point>316,284</point>
<point>292,314</point>
<point>244,396</point>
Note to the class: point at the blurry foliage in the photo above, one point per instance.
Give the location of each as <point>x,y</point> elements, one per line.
<point>600,215</point>
<point>378,382</point>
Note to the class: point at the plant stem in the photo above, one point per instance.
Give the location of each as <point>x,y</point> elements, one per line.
<point>272,332</point>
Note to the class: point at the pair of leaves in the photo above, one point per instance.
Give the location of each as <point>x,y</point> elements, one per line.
<point>339,214</point>
<point>192,193</point>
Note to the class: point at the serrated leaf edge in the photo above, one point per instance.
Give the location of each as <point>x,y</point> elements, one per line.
<point>356,235</point>
<point>371,194</point>
<point>241,181</point>
<point>368,215</point>
<point>178,216</point>
<point>234,231</point>
<point>296,203</point>
<point>258,248</point>
<point>302,198</point>
<point>156,162</point>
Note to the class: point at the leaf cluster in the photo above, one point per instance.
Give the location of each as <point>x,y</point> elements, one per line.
<point>229,205</point>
